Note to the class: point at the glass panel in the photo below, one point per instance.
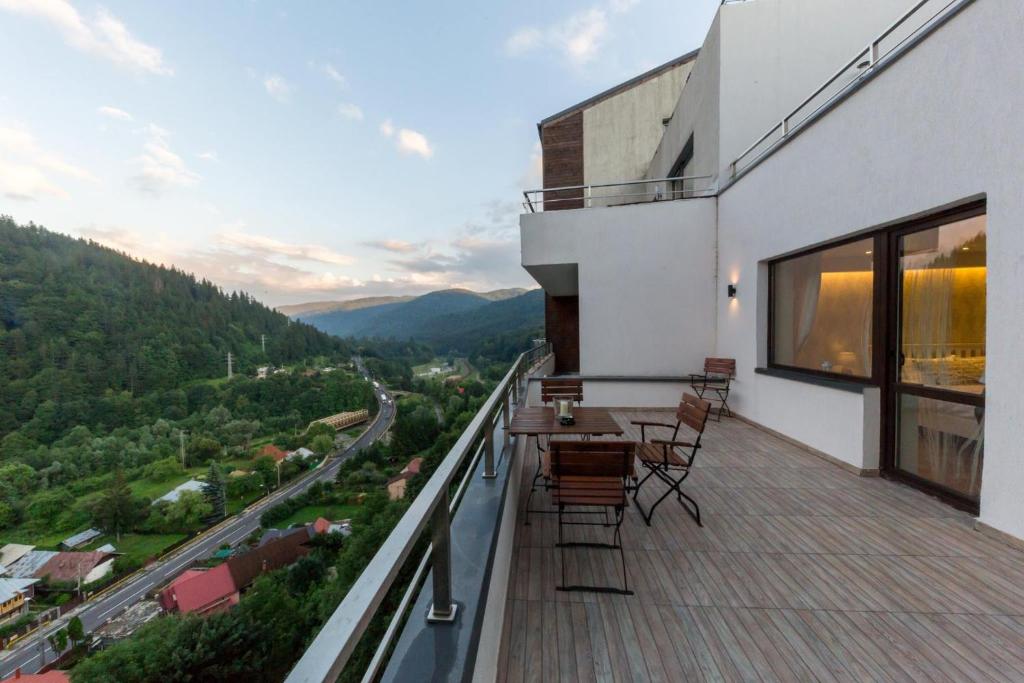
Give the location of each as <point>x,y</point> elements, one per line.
<point>943,306</point>
<point>942,442</point>
<point>821,314</point>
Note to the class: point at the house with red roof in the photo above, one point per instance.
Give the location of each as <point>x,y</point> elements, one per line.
<point>413,466</point>
<point>274,452</point>
<point>66,567</point>
<point>208,591</point>
<point>48,677</point>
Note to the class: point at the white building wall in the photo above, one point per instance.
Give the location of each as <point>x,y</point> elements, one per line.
<point>939,126</point>
<point>621,133</point>
<point>627,326</point>
<point>771,54</point>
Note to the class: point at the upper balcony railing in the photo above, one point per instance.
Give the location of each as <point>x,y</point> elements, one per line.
<point>914,24</point>
<point>486,436</point>
<point>617,194</point>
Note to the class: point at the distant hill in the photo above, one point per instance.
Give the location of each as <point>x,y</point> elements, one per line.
<point>316,307</point>
<point>447,320</point>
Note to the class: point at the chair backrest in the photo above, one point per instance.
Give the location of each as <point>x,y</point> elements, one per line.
<point>554,388</point>
<point>720,366</point>
<point>592,458</point>
<point>693,412</point>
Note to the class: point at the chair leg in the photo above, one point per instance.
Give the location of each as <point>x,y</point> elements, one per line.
<point>561,545</point>
<point>620,514</point>
<point>636,492</point>
<point>695,512</point>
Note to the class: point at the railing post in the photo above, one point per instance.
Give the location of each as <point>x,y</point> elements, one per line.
<point>785,126</point>
<point>443,610</point>
<point>506,418</point>
<point>515,383</point>
<point>872,53</point>
<point>590,196</point>
<point>489,472</point>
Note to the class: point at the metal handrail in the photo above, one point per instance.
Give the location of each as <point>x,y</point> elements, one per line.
<point>326,656</point>
<point>874,57</point>
<point>531,201</point>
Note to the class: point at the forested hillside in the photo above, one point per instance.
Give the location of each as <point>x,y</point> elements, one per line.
<point>448,321</point>
<point>79,321</point>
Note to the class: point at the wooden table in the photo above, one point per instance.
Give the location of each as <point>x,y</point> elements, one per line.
<point>536,422</point>
<point>589,422</point>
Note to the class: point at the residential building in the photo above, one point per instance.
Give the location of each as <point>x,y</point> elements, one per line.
<point>80,539</point>
<point>12,552</point>
<point>272,451</point>
<point>53,676</point>
<point>28,565</point>
<point>193,485</point>
<point>67,567</point>
<point>14,597</point>
<point>207,591</point>
<point>819,208</point>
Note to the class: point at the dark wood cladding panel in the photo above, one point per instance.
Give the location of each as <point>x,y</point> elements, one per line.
<point>562,329</point>
<point>562,150</point>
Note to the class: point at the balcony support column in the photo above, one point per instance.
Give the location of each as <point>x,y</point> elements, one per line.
<point>489,472</point>
<point>444,608</point>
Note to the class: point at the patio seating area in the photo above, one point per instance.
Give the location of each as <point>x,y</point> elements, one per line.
<point>801,571</point>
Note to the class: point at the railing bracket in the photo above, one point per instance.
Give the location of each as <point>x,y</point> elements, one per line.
<point>443,618</point>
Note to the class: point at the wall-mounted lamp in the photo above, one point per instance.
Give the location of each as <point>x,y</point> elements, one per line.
<point>731,291</point>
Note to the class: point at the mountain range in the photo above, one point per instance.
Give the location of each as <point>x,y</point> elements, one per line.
<point>452,319</point>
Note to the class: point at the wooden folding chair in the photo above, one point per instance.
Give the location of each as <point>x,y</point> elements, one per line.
<point>671,460</point>
<point>591,474</point>
<point>553,389</point>
<point>716,379</point>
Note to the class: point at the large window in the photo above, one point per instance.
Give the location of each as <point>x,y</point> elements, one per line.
<point>821,314</point>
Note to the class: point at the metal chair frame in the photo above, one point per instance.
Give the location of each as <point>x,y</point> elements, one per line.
<point>693,412</point>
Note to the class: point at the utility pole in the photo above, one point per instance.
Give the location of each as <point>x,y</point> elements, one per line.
<point>263,342</point>
<point>229,365</point>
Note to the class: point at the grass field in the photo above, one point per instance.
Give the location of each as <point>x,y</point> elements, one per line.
<point>311,512</point>
<point>139,547</point>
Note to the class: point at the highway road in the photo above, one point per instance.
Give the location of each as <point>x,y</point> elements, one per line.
<point>31,654</point>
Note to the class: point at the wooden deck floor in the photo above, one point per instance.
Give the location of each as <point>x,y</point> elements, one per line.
<point>802,571</point>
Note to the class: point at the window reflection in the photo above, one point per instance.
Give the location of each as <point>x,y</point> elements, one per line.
<point>822,310</point>
<point>943,306</point>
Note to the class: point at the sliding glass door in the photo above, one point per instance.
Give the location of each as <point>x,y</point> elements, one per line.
<point>939,389</point>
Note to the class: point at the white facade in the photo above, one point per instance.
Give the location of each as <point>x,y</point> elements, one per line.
<point>759,60</point>
<point>937,128</point>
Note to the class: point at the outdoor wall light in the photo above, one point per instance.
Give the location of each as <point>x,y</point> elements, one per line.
<point>731,291</point>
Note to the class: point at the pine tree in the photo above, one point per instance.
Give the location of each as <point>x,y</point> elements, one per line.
<point>117,510</point>
<point>214,490</point>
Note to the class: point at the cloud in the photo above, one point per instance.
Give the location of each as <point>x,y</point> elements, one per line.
<point>160,168</point>
<point>25,168</point>
<point>332,73</point>
<point>579,37</point>
<point>105,35</point>
<point>277,87</point>
<point>414,142</point>
<point>115,113</point>
<point>524,40</point>
<point>208,155</point>
<point>408,141</point>
<point>396,246</point>
<point>258,244</point>
<point>350,111</point>
<point>533,177</point>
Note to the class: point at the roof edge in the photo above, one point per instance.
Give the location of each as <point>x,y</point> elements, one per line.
<point>625,85</point>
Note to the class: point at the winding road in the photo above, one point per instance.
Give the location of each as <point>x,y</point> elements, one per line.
<point>32,653</point>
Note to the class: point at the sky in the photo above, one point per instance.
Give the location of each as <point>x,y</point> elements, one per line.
<point>307,151</point>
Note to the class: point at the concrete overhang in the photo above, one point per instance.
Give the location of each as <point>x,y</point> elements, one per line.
<point>557,279</point>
